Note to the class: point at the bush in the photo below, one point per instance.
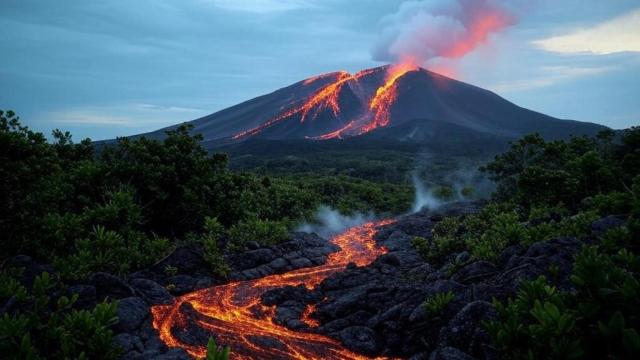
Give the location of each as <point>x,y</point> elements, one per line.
<point>44,327</point>
<point>265,232</point>
<point>216,353</point>
<point>436,303</point>
<point>212,252</point>
<point>107,251</point>
<point>598,320</point>
<point>444,193</point>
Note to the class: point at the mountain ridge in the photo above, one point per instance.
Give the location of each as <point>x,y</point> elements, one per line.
<point>380,101</point>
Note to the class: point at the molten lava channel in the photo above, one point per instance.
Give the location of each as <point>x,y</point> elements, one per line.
<point>234,314</point>
<point>377,114</point>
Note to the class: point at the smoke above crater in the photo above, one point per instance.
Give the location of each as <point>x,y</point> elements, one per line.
<point>428,30</point>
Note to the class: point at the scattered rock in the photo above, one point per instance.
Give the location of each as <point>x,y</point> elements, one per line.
<point>128,342</point>
<point>131,313</point>
<point>461,329</point>
<point>360,339</point>
<point>110,286</point>
<point>151,291</point>
<point>449,353</point>
<point>87,298</point>
<point>601,226</point>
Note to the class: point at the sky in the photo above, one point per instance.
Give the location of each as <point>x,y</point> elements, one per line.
<point>107,68</point>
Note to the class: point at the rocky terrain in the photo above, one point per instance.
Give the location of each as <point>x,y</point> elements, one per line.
<point>374,310</point>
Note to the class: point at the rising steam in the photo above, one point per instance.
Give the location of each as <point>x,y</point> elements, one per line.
<point>329,222</point>
<point>442,29</point>
<point>424,198</point>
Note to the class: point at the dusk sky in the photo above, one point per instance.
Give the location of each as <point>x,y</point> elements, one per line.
<point>107,68</point>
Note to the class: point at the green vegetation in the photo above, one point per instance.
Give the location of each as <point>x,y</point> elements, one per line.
<point>44,326</point>
<point>122,206</point>
<point>437,302</point>
<point>548,190</point>
<point>599,320</point>
<point>216,353</point>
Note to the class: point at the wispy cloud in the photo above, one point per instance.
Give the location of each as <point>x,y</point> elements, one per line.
<point>621,34</point>
<point>149,116</point>
<point>262,6</point>
<point>548,76</point>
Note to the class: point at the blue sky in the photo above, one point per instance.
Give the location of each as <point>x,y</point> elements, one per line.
<point>106,68</point>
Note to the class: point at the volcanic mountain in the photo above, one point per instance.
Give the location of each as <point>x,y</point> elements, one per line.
<point>391,103</point>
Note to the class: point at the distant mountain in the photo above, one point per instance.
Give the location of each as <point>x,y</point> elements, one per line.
<point>383,104</point>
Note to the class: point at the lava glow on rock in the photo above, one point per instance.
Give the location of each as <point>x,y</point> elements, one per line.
<point>234,315</point>
<point>375,114</point>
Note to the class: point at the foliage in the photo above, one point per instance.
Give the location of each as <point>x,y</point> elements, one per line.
<point>444,193</point>
<point>265,232</point>
<point>436,303</point>
<point>598,320</point>
<point>214,352</point>
<point>212,252</point>
<point>45,327</point>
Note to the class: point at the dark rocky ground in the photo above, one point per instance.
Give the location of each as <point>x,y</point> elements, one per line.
<point>374,310</point>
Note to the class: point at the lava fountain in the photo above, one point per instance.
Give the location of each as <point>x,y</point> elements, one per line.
<point>234,313</point>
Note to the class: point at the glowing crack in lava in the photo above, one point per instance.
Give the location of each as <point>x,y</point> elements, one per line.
<point>234,314</point>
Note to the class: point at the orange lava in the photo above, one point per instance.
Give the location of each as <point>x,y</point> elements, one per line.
<point>386,95</point>
<point>234,314</point>
<point>325,98</point>
<point>307,319</point>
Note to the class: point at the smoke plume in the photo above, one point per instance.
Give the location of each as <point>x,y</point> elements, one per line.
<point>424,198</point>
<point>329,222</point>
<point>421,31</point>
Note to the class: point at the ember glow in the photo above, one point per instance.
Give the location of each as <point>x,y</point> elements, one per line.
<point>234,315</point>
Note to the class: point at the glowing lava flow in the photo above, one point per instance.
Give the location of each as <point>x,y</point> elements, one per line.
<point>233,312</point>
<point>325,98</point>
<point>386,95</point>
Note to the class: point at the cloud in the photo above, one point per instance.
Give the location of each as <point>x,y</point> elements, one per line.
<point>426,30</point>
<point>262,6</point>
<point>621,34</point>
<point>147,116</point>
<point>550,75</point>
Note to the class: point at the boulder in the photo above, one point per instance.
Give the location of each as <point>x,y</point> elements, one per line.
<point>151,291</point>
<point>449,353</point>
<point>461,329</point>
<point>131,313</point>
<point>109,286</point>
<point>359,339</point>
<point>601,226</point>
<point>128,342</point>
<point>86,295</point>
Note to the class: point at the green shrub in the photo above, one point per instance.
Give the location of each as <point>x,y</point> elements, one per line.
<point>436,303</point>
<point>216,353</point>
<point>46,327</point>
<point>598,320</point>
<point>444,193</point>
<point>108,251</point>
<point>212,252</point>
<point>468,192</point>
<point>265,232</point>
<point>503,229</point>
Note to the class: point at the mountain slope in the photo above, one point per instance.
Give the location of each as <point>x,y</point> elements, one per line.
<point>394,103</point>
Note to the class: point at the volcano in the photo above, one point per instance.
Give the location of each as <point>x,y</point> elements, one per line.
<point>393,102</point>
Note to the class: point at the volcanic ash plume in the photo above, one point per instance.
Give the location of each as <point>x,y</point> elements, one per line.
<point>428,30</point>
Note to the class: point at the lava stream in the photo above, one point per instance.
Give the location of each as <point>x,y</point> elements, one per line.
<point>325,98</point>
<point>234,314</point>
<point>386,95</point>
